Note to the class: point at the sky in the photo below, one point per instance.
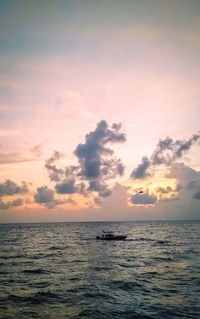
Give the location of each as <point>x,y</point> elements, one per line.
<point>99,110</point>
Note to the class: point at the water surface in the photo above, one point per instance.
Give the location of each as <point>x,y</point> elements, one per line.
<point>60,270</point>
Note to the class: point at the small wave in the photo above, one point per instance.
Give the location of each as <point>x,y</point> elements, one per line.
<point>88,239</point>
<point>42,284</point>
<point>129,314</point>
<point>125,285</point>
<point>5,272</point>
<point>42,256</point>
<point>95,295</point>
<point>126,265</point>
<point>13,256</point>
<point>37,298</point>
<point>74,279</point>
<point>85,314</point>
<point>163,258</point>
<point>58,247</point>
<point>136,239</point>
<point>79,260</point>
<point>100,268</point>
<point>162,243</point>
<point>37,271</point>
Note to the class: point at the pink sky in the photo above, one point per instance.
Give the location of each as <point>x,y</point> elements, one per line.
<point>65,68</point>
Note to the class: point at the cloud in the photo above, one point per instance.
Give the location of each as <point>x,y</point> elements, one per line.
<point>96,163</point>
<point>10,188</point>
<point>71,201</point>
<point>10,204</point>
<point>188,181</point>
<point>55,174</point>
<point>45,196</point>
<point>170,199</point>
<point>168,193</point>
<point>71,171</point>
<point>185,175</point>
<point>166,153</point>
<point>141,170</point>
<point>96,186</point>
<point>143,199</point>
<point>15,157</point>
<point>66,187</point>
<point>97,201</point>
<point>167,150</point>
<point>196,195</point>
<point>92,154</point>
<point>38,150</point>
<point>163,190</point>
<point>192,185</point>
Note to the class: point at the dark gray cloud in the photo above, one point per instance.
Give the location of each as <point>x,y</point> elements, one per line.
<point>167,150</point>
<point>96,186</point>
<point>143,199</point>
<point>166,153</point>
<point>196,195</point>
<point>10,188</point>
<point>55,174</point>
<point>94,157</point>
<point>141,171</point>
<point>96,163</point>
<point>110,168</point>
<point>10,204</point>
<point>192,185</point>
<point>66,187</point>
<point>45,196</point>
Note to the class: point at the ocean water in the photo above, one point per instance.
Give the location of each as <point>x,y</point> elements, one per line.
<point>59,270</point>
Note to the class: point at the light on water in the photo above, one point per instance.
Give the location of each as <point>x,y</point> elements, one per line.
<point>61,271</point>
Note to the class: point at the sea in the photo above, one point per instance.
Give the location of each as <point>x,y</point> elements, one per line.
<point>60,270</point>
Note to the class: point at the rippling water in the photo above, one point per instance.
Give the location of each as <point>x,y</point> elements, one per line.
<point>61,271</point>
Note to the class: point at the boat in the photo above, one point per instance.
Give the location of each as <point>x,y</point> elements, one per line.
<point>110,235</point>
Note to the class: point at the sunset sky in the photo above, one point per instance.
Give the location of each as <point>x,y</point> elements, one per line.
<point>99,110</point>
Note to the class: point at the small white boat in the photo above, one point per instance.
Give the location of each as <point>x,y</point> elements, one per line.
<point>109,235</point>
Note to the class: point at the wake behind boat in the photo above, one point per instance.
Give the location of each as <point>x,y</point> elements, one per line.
<point>109,235</point>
